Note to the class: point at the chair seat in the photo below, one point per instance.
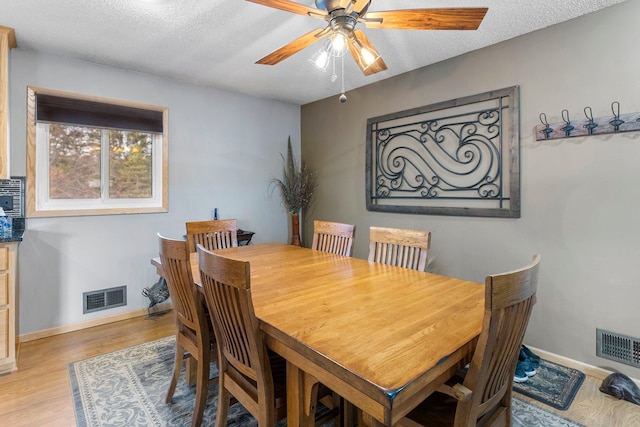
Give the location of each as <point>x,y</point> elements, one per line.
<point>279,373</point>
<point>438,410</point>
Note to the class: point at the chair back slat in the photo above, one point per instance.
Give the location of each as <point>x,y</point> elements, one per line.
<point>333,237</point>
<point>212,235</point>
<point>399,247</point>
<point>226,285</point>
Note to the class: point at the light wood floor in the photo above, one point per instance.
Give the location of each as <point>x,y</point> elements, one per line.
<point>38,394</point>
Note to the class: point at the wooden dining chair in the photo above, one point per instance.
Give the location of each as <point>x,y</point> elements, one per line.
<point>399,247</point>
<point>194,334</point>
<point>254,376</point>
<point>483,397</point>
<point>214,234</point>
<point>333,237</point>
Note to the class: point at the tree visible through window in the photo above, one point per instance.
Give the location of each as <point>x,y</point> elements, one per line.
<point>75,163</point>
<point>130,165</point>
<point>94,157</point>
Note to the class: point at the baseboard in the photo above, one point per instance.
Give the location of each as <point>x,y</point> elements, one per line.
<point>89,324</point>
<point>592,371</point>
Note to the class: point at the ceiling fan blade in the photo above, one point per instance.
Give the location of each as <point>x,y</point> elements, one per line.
<point>295,46</point>
<point>359,5</point>
<point>290,6</point>
<point>354,5</point>
<point>464,18</point>
<point>377,66</point>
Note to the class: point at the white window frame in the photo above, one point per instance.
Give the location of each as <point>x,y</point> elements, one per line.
<point>39,204</point>
<point>45,203</point>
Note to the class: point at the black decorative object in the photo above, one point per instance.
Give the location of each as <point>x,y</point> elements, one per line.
<point>157,293</point>
<point>458,157</point>
<point>622,387</point>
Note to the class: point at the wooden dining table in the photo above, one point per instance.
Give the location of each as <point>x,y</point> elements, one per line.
<point>382,337</point>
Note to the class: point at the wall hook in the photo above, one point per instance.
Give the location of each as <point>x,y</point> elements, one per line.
<point>547,129</point>
<point>568,127</point>
<point>616,122</point>
<point>591,125</point>
<point>588,125</point>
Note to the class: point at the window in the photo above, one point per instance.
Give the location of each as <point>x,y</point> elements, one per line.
<point>90,156</point>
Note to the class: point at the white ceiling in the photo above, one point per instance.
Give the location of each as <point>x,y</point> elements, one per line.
<point>216,42</point>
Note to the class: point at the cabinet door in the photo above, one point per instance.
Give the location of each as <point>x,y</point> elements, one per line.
<point>4,258</point>
<point>4,333</point>
<point>4,289</point>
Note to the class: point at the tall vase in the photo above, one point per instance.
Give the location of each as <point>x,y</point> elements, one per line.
<point>295,230</point>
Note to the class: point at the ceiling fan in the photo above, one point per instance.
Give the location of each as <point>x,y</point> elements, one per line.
<point>342,17</point>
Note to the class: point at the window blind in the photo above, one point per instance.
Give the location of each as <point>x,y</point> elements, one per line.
<point>72,111</point>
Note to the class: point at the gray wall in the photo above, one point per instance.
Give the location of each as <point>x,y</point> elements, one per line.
<point>223,149</point>
<point>580,197</point>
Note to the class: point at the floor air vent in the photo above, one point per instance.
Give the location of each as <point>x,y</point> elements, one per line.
<point>103,299</point>
<point>621,348</point>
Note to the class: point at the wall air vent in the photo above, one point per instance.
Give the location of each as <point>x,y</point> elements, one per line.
<point>617,347</point>
<point>104,299</point>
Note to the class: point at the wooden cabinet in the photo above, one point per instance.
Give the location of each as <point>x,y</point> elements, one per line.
<point>8,305</point>
<point>7,42</point>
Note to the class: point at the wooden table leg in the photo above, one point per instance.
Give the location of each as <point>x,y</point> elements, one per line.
<point>302,395</point>
<point>369,421</point>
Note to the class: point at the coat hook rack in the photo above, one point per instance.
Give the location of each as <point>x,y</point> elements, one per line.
<point>617,123</point>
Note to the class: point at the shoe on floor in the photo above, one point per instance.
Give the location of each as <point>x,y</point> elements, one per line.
<point>527,366</point>
<point>520,376</point>
<point>534,358</point>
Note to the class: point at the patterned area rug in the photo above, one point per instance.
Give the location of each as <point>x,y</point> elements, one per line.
<point>127,388</point>
<point>524,414</point>
<point>553,384</point>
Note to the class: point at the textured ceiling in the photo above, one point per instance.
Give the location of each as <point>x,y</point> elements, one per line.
<point>216,42</point>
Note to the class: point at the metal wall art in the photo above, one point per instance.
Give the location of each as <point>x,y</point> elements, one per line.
<point>458,157</point>
<point>614,123</point>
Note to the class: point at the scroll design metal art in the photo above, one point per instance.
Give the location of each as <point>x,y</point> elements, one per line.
<point>458,157</point>
<point>614,123</point>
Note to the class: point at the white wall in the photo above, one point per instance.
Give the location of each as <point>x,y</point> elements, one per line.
<point>224,148</point>
<point>580,197</point>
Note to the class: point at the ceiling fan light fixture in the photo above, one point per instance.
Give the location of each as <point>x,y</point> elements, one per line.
<point>339,43</point>
<point>321,58</point>
<point>366,55</point>
<point>369,56</point>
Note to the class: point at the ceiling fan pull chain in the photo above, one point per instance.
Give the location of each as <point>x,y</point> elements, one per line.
<point>343,97</point>
<point>334,76</point>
